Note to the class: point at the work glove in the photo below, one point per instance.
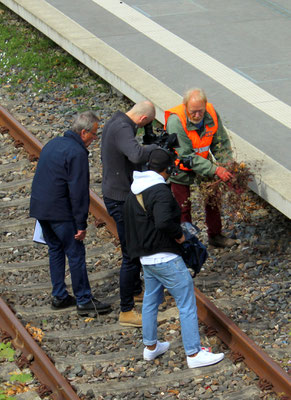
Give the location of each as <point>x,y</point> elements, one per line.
<point>223,174</point>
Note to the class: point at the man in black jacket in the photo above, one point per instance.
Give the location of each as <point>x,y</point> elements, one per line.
<point>120,152</point>
<point>60,201</point>
<point>153,233</point>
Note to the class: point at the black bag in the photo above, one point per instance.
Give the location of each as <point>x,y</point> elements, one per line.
<point>194,253</point>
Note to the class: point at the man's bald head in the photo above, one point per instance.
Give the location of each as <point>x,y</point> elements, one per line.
<point>142,113</point>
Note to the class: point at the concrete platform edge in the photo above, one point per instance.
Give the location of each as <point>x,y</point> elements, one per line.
<point>135,83</point>
<point>272,181</point>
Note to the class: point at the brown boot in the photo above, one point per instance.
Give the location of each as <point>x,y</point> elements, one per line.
<point>139,297</point>
<point>221,241</point>
<point>130,318</point>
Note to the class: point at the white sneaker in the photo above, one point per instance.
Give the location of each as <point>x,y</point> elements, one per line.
<point>203,359</point>
<point>161,348</point>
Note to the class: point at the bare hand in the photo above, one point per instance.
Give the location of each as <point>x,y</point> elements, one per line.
<point>80,235</point>
<point>181,240</point>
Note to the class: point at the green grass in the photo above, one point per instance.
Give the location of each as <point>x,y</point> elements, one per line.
<point>4,396</point>
<point>6,351</point>
<point>21,377</point>
<point>29,58</point>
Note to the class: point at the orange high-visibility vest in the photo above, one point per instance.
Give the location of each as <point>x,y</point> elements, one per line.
<point>200,146</point>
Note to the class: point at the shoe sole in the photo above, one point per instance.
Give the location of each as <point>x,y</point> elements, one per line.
<point>206,365</point>
<point>219,246</point>
<point>84,313</point>
<point>130,324</point>
<point>62,308</point>
<point>151,359</point>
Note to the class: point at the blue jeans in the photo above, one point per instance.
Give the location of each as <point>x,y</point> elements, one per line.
<point>174,276</point>
<point>129,278</point>
<point>59,236</point>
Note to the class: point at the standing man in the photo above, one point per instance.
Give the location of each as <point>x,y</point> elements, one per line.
<point>60,201</point>
<point>153,233</point>
<point>199,130</point>
<point>120,152</point>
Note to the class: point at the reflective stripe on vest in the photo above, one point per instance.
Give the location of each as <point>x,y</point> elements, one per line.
<point>202,149</point>
<point>200,146</point>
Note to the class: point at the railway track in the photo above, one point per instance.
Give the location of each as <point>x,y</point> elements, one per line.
<point>96,355</point>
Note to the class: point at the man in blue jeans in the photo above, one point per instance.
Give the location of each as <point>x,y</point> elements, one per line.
<point>60,201</point>
<point>120,154</point>
<point>154,235</point>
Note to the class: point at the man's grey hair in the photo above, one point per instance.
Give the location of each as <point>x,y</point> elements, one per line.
<point>197,93</point>
<point>85,120</point>
<point>144,108</point>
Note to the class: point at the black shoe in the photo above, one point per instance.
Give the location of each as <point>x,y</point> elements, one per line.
<point>93,306</point>
<point>58,304</point>
<point>221,241</point>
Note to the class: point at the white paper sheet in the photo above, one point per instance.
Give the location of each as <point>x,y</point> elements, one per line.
<point>38,235</point>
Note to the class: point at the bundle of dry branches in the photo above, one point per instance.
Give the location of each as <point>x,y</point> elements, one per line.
<point>231,193</point>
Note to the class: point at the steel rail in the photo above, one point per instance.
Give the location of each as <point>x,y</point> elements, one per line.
<point>41,365</point>
<point>21,135</point>
<point>256,359</point>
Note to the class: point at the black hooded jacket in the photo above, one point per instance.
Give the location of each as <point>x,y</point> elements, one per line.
<point>154,230</point>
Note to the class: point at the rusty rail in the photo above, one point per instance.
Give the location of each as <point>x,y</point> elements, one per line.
<point>41,365</point>
<point>21,135</point>
<point>256,359</point>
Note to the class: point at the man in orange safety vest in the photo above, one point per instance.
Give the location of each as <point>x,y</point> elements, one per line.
<point>199,130</point>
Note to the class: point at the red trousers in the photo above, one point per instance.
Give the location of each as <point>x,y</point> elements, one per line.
<point>213,217</point>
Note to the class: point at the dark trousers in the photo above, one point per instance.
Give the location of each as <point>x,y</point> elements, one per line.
<point>213,217</point>
<point>129,281</point>
<point>59,236</point>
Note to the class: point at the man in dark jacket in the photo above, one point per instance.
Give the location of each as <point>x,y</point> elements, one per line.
<point>60,201</point>
<point>120,152</point>
<point>153,233</point>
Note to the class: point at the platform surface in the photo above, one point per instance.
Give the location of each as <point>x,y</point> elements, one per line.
<point>251,38</point>
<point>238,51</point>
